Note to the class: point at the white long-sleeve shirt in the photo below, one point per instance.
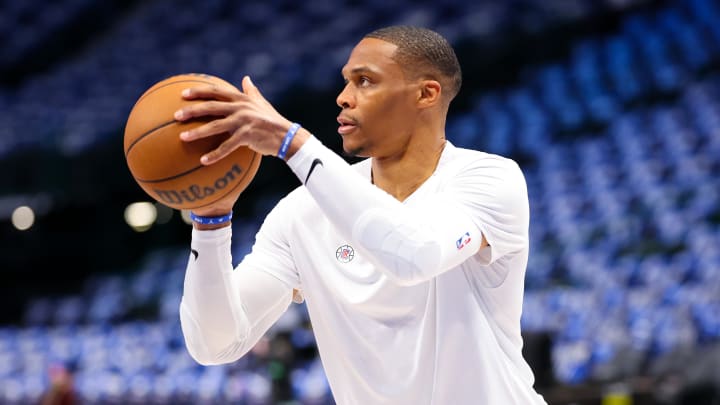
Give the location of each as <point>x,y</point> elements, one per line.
<point>393,324</point>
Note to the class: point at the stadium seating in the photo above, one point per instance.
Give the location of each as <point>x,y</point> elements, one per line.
<point>620,145</point>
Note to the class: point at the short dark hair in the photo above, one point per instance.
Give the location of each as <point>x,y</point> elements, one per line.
<point>424,52</point>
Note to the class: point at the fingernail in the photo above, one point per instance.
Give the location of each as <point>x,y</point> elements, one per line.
<point>204,160</point>
<point>186,92</point>
<point>184,135</point>
<point>178,114</point>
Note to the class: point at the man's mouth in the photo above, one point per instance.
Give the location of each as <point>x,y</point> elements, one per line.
<point>347,125</point>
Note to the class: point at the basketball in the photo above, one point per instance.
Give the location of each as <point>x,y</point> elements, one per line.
<point>169,169</point>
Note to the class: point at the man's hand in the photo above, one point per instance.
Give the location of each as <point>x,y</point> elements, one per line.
<point>250,119</point>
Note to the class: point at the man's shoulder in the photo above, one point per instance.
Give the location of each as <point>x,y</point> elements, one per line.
<point>464,158</point>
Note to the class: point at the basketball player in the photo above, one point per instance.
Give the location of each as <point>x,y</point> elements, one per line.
<point>412,261</point>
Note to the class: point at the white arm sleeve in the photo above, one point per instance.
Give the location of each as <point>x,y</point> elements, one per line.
<point>410,245</point>
<point>224,312</point>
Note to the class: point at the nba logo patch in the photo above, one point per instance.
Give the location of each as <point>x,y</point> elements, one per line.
<point>345,253</point>
<point>463,241</point>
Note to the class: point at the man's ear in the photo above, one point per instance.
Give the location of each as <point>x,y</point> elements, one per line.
<point>430,92</point>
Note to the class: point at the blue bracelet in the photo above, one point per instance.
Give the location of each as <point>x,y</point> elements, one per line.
<point>211,220</point>
<point>287,140</point>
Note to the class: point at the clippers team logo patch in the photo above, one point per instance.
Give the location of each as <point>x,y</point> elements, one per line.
<point>345,253</point>
<point>463,241</point>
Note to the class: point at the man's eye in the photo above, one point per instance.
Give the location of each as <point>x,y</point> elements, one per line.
<point>363,81</point>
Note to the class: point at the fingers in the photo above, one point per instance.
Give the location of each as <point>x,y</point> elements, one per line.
<point>224,149</point>
<point>205,109</point>
<point>218,97</point>
<point>211,92</point>
<point>211,128</point>
<point>222,100</point>
<point>250,88</point>
<point>249,117</point>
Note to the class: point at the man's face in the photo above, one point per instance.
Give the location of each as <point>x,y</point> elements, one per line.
<point>378,102</point>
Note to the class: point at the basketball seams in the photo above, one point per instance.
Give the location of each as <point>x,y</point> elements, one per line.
<point>186,172</point>
<point>239,183</point>
<point>151,91</point>
<point>158,131</point>
<point>141,136</point>
<point>164,85</point>
<point>173,177</point>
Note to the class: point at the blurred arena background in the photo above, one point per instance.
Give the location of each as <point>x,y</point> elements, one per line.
<point>611,107</point>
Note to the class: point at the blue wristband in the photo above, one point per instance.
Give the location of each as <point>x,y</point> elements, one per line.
<point>211,220</point>
<point>287,140</point>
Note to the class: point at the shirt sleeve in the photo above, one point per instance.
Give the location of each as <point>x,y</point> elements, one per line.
<point>223,313</point>
<point>494,193</point>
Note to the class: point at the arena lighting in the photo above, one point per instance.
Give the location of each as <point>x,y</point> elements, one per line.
<point>140,215</point>
<point>23,217</point>
<point>40,204</point>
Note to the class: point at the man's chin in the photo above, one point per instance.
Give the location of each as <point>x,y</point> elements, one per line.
<point>355,152</point>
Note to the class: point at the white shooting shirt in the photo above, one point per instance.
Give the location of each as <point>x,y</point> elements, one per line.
<point>451,339</point>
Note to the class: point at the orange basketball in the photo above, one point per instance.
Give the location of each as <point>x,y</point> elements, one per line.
<point>168,169</point>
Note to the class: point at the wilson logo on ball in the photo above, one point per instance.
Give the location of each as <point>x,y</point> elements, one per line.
<point>195,193</point>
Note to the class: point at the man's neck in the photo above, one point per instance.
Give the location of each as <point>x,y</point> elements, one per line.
<point>401,175</point>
